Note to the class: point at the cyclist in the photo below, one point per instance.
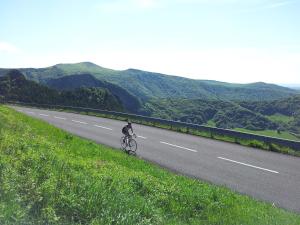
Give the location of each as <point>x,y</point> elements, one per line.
<point>125,131</point>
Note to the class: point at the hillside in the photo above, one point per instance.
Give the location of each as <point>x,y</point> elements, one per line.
<point>60,70</point>
<point>285,112</point>
<point>15,87</point>
<point>223,114</point>
<point>280,118</point>
<point>145,85</point>
<point>154,85</point>
<point>131,103</point>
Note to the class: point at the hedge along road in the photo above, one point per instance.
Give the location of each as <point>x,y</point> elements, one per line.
<point>267,176</point>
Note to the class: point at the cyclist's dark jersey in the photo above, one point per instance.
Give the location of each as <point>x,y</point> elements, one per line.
<point>125,129</point>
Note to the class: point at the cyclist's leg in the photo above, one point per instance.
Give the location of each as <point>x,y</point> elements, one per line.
<point>123,136</point>
<point>127,135</point>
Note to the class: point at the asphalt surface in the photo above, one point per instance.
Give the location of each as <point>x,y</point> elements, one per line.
<point>264,175</point>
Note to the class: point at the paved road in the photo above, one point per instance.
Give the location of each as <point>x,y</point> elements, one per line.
<point>268,176</point>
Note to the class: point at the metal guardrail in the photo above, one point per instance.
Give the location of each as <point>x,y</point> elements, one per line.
<point>295,145</point>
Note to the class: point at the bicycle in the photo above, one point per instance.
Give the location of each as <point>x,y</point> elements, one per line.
<point>128,144</point>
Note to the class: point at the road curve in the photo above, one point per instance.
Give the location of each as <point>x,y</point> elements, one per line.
<point>264,175</point>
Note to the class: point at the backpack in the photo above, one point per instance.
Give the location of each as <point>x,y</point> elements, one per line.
<point>124,129</point>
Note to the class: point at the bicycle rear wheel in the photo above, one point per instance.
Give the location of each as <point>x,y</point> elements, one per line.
<point>132,146</point>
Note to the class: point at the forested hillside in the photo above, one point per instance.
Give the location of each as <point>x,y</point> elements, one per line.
<point>285,112</point>
<point>224,114</point>
<point>14,87</point>
<point>72,82</point>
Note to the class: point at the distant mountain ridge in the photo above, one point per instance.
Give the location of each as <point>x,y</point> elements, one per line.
<point>146,85</point>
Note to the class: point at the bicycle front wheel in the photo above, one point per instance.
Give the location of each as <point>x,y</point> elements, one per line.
<point>123,143</point>
<point>132,145</point>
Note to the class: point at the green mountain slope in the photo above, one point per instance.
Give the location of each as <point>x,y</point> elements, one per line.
<point>60,70</point>
<point>286,111</point>
<point>224,114</point>
<point>147,85</point>
<point>72,82</point>
<point>14,87</point>
<point>151,85</point>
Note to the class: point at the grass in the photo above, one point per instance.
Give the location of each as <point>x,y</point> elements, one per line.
<point>48,176</point>
<point>211,123</point>
<point>280,118</point>
<point>271,133</point>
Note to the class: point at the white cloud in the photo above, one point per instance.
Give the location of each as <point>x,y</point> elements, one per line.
<point>8,48</point>
<point>279,4</point>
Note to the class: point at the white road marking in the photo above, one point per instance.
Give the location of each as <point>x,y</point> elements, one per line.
<point>30,112</point>
<point>141,137</point>
<point>60,118</point>
<point>43,114</point>
<point>102,127</point>
<point>245,164</point>
<point>192,150</point>
<point>77,121</point>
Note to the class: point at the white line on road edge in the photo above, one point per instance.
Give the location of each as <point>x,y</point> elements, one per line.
<point>245,164</point>
<point>192,150</point>
<point>142,137</point>
<point>77,121</point>
<point>43,114</point>
<point>102,127</point>
<point>60,118</point>
<point>30,112</point>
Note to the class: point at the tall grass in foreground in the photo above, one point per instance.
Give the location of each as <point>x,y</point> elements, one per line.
<point>48,176</point>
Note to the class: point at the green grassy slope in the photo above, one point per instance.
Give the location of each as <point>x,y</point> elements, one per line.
<point>279,118</point>
<point>155,85</point>
<point>61,70</point>
<point>271,133</point>
<point>51,177</point>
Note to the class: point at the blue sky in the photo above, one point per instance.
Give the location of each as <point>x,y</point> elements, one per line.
<point>227,40</point>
